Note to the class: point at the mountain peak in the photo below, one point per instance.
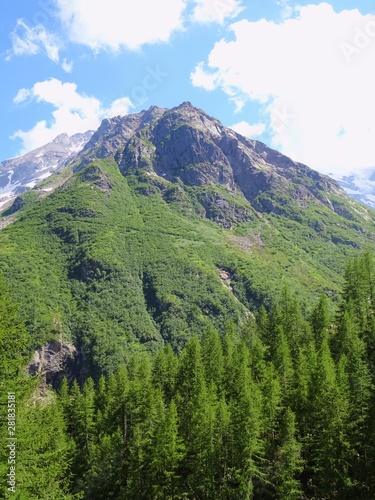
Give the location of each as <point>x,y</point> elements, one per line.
<point>61,138</point>
<point>116,131</point>
<point>24,172</point>
<point>186,145</point>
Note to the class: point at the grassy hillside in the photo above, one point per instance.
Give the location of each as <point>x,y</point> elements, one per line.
<point>121,263</point>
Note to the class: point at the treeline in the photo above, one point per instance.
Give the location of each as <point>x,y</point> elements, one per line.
<point>283,409</point>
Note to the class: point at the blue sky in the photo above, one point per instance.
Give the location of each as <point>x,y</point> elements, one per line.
<point>300,76</point>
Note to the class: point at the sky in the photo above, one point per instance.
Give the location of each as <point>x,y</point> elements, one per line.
<point>298,76</point>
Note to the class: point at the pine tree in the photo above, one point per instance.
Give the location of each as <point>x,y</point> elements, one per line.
<point>295,327</point>
<point>276,331</point>
<point>164,371</point>
<point>245,427</point>
<point>144,416</point>
<point>79,433</point>
<point>329,447</point>
<point>221,451</point>
<point>43,451</point>
<point>257,350</point>
<point>213,359</point>
<point>104,479</point>
<point>263,325</point>
<point>320,320</point>
<point>288,463</point>
<point>196,414</point>
<point>284,364</point>
<point>351,351</point>
<point>300,397</point>
<point>272,405</point>
<point>167,454</point>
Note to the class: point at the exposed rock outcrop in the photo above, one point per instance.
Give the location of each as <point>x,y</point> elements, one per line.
<point>54,361</point>
<point>114,133</point>
<point>185,145</point>
<point>97,178</point>
<point>220,210</point>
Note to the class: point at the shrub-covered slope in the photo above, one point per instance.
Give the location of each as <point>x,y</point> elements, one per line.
<point>175,223</point>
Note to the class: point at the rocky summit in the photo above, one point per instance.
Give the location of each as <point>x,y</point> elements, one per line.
<point>186,145</point>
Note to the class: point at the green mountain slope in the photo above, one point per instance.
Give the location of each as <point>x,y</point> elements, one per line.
<point>183,224</point>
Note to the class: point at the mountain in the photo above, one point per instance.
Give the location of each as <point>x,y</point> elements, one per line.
<point>360,185</point>
<point>20,174</point>
<point>167,221</point>
<point>187,145</point>
<point>169,230</point>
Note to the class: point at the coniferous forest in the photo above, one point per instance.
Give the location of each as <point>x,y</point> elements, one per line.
<point>281,408</point>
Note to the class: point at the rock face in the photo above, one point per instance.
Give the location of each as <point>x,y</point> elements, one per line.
<point>220,210</point>
<point>113,133</point>
<point>24,172</point>
<point>183,146</point>
<point>54,361</point>
<point>186,146</point>
<point>97,178</point>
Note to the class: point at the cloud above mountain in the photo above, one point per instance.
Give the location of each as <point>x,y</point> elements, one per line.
<point>115,24</point>
<point>72,112</point>
<point>312,74</point>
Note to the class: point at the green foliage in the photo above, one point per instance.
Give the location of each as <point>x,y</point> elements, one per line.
<point>248,414</point>
<point>121,263</point>
<point>37,429</point>
<point>191,395</point>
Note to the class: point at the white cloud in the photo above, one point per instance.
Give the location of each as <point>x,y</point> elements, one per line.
<point>114,24</point>
<point>203,78</point>
<point>32,41</point>
<point>313,78</point>
<point>208,11</point>
<point>288,10</point>
<point>67,66</point>
<point>73,112</point>
<point>118,107</point>
<point>248,130</point>
<point>22,96</point>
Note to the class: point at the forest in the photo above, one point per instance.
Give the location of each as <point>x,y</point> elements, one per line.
<point>282,408</point>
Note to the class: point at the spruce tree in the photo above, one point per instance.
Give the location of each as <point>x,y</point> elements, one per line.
<point>321,320</point>
<point>213,359</point>
<point>196,415</point>
<point>245,463</point>
<point>167,454</point>
<point>329,448</point>
<point>288,462</point>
